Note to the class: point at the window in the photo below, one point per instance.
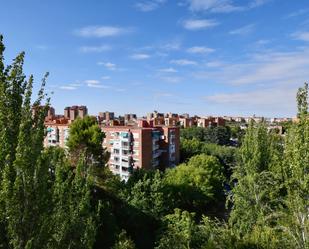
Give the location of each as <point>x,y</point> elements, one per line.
<point>124,169</point>
<point>116,151</point>
<point>116,159</point>
<point>135,135</point>
<point>125,144</point>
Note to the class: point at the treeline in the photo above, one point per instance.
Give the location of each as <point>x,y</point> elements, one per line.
<point>255,196</point>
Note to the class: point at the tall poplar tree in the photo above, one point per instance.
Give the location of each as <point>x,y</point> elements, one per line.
<point>295,221</point>
<point>256,193</point>
<point>39,189</point>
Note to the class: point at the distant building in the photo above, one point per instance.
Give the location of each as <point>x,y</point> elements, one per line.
<point>186,122</point>
<point>73,112</point>
<point>143,146</point>
<point>210,122</point>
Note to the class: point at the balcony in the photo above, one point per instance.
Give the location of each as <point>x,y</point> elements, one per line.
<point>155,163</point>
<point>156,154</point>
<point>155,147</point>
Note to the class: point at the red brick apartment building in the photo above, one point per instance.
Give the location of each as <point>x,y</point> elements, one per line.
<point>143,145</point>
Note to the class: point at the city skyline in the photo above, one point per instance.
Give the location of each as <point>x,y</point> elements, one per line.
<point>219,57</point>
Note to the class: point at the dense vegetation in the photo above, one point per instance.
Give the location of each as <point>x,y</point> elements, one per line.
<point>54,198</point>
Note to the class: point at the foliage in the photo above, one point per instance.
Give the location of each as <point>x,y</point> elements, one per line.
<point>43,202</point>
<point>144,191</point>
<point>86,137</point>
<point>179,232</point>
<point>256,193</point>
<point>295,220</point>
<point>225,154</point>
<point>124,242</point>
<point>195,184</point>
<point>217,135</point>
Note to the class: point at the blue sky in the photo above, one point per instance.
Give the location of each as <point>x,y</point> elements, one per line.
<point>206,57</point>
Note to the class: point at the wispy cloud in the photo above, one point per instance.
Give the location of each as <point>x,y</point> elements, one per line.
<point>298,13</point>
<point>213,5</point>
<point>198,24</point>
<point>108,65</point>
<point>69,88</point>
<point>171,45</point>
<point>171,79</point>
<point>140,56</point>
<point>102,31</point>
<point>279,100</point>
<point>245,30</point>
<point>167,70</point>
<point>223,6</point>
<point>263,69</point>
<point>147,6</point>
<point>41,47</point>
<point>183,62</point>
<point>302,35</point>
<point>200,50</point>
<point>92,82</point>
<point>95,49</point>
<point>105,77</point>
<point>95,84</point>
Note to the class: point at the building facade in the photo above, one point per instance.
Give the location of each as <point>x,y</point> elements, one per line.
<point>142,146</point>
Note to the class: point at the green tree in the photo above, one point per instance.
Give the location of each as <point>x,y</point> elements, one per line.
<point>295,219</point>
<point>196,184</point>
<point>217,135</point>
<point>146,193</point>
<point>256,194</point>
<point>124,242</point>
<point>74,220</point>
<point>189,148</point>
<point>86,137</point>
<point>28,174</point>
<point>179,232</point>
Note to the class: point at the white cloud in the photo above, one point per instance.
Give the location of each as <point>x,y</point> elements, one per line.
<point>140,56</point>
<point>263,69</point>
<point>245,30</point>
<point>171,79</point>
<point>200,50</point>
<point>147,6</point>
<point>163,94</point>
<point>279,100</point>
<point>105,77</point>
<point>214,64</point>
<point>95,49</point>
<point>168,70</point>
<point>95,84</point>
<point>70,88</point>
<point>222,6</point>
<point>198,24</point>
<point>257,3</point>
<point>303,36</point>
<point>92,82</point>
<point>102,31</point>
<point>98,86</point>
<point>213,5</point>
<point>41,47</point>
<point>172,45</point>
<point>183,62</point>
<point>298,13</point>
<point>108,65</point>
